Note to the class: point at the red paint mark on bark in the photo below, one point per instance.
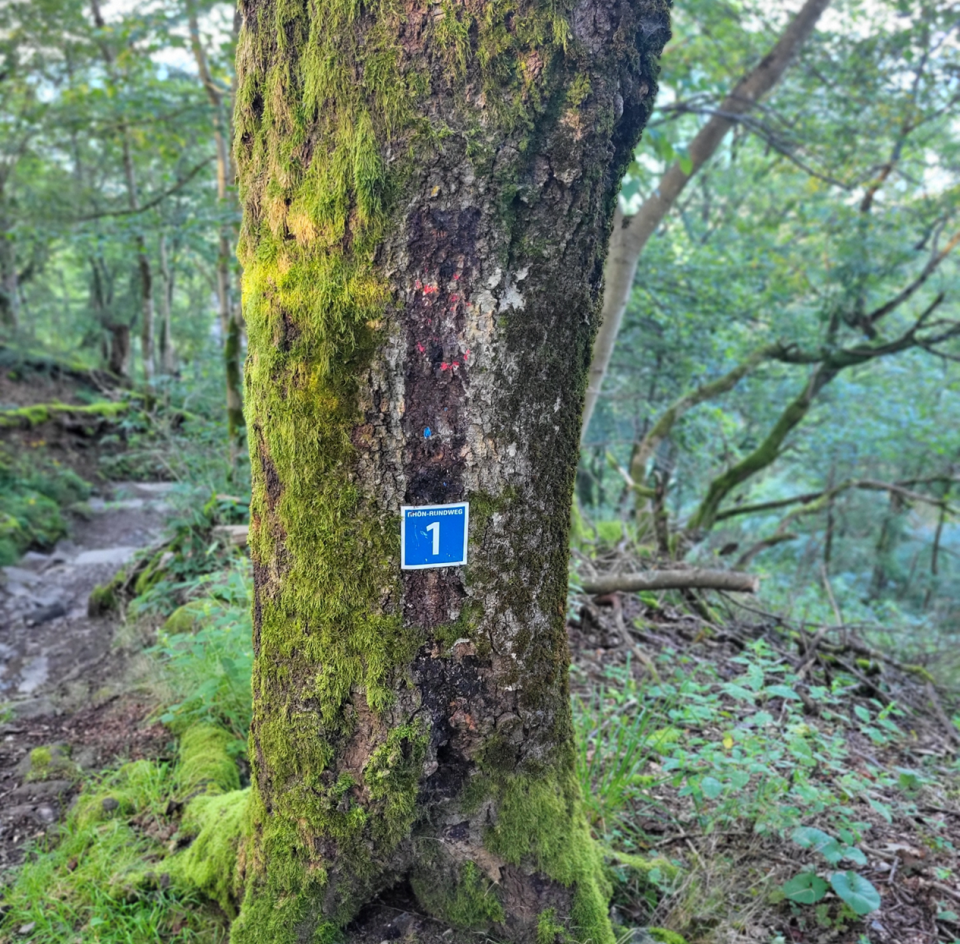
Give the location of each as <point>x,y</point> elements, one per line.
<point>444,366</point>
<point>466,353</point>
<point>420,348</point>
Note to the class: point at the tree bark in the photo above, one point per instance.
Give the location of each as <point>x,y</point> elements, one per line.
<point>426,203</point>
<point>631,234</point>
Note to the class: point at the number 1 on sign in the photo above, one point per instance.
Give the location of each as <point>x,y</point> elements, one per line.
<point>434,529</point>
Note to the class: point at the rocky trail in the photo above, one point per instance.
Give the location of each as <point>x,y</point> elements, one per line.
<point>59,667</point>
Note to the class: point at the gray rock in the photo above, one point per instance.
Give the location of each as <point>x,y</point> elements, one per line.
<point>33,708</point>
<point>20,575</point>
<point>86,758</point>
<point>118,556</point>
<point>46,614</point>
<point>43,788</point>
<point>109,804</point>
<point>26,929</point>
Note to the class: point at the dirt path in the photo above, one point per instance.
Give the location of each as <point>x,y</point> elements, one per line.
<point>56,662</point>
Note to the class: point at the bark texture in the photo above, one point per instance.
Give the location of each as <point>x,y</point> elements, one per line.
<point>427,195</point>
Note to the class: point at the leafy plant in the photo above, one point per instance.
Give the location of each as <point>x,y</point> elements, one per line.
<point>807,888</point>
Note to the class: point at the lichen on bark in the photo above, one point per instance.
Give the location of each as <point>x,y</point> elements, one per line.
<point>426,192</point>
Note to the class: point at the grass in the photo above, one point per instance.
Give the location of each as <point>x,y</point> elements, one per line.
<point>73,887</point>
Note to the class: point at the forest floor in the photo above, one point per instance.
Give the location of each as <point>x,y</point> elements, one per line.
<point>789,783</point>
<point>61,675</point>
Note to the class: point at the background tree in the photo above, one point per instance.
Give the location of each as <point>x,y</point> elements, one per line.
<point>814,261</point>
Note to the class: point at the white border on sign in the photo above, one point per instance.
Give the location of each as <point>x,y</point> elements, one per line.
<point>403,535</point>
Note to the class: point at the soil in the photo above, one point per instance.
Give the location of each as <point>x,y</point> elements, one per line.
<point>59,668</point>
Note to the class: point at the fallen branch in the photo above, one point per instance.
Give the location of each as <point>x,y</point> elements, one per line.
<point>673,580</point>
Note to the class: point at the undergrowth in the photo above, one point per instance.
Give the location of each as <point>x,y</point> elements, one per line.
<point>203,657</point>
<point>33,493</point>
<point>76,884</point>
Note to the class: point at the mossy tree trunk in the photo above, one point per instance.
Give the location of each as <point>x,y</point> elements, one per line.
<point>427,194</point>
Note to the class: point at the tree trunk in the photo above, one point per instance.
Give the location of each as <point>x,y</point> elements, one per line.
<point>168,352</point>
<point>631,233</point>
<point>426,203</point>
<point>133,201</point>
<point>228,311</point>
<point>119,350</point>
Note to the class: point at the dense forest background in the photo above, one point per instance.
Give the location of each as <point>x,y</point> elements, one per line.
<point>812,251</point>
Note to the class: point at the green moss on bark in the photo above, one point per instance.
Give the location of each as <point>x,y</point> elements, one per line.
<point>465,899</point>
<point>541,818</point>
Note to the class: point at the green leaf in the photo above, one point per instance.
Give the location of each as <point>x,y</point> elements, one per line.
<point>805,888</point>
<point>712,788</point>
<point>816,840</point>
<point>856,891</point>
<point>861,712</point>
<point>782,691</point>
<point>853,854</point>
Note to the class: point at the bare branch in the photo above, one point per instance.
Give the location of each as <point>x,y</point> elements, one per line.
<point>151,203</point>
<point>695,579</point>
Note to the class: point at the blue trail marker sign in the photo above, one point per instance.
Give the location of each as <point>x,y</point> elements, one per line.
<point>433,535</point>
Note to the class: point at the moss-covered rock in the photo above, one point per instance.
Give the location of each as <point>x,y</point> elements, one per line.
<point>27,417</point>
<point>52,762</point>
<point>185,619</point>
<point>214,827</point>
<point>205,762</point>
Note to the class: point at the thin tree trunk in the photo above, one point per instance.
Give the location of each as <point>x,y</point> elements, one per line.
<point>119,349</point>
<point>426,203</point>
<point>133,200</point>
<point>9,283</point>
<point>228,312</point>
<point>764,455</point>
<point>630,234</point>
<point>168,353</point>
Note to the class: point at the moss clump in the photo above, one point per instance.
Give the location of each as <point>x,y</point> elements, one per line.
<point>665,936</point>
<point>209,864</point>
<point>549,931</point>
<point>542,818</point>
<point>392,775</point>
<point>627,863</point>
<point>52,763</point>
<point>467,899</point>
<point>105,598</point>
<point>205,764</point>
<point>185,619</point>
